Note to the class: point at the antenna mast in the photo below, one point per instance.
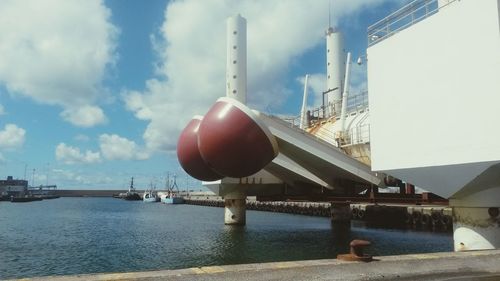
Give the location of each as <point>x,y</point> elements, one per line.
<point>330,13</point>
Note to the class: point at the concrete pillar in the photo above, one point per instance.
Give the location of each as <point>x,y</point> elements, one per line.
<point>340,213</point>
<point>235,208</point>
<point>476,221</point>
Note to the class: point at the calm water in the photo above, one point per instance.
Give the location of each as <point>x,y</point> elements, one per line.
<point>86,235</point>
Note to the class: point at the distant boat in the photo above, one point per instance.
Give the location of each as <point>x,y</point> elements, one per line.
<point>150,196</point>
<point>131,194</point>
<point>171,197</point>
<point>24,199</point>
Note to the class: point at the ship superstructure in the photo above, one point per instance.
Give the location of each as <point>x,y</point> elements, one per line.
<point>13,187</point>
<point>434,78</point>
<point>240,152</point>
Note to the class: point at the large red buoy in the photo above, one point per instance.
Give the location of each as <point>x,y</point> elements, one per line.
<point>233,141</point>
<point>189,155</point>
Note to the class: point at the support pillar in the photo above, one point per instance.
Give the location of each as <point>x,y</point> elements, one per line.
<point>235,208</point>
<point>340,213</point>
<point>410,189</point>
<point>402,187</point>
<point>476,221</point>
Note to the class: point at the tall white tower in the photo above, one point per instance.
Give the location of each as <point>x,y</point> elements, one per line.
<point>335,68</point>
<point>236,67</point>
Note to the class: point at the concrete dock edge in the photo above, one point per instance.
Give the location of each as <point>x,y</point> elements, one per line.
<point>475,265</point>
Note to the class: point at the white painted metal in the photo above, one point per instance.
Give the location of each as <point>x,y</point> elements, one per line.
<point>291,170</point>
<point>334,70</point>
<point>236,67</point>
<point>322,159</point>
<point>476,218</point>
<point>433,105</point>
<point>303,116</point>
<point>345,94</point>
<point>253,185</point>
<point>441,97</point>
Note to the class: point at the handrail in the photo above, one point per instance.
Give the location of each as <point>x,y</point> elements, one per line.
<point>403,18</point>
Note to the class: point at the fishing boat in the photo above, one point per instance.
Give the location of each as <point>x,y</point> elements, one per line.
<point>171,197</point>
<point>131,194</point>
<point>150,195</point>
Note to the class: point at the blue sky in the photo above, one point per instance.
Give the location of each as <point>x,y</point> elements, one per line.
<point>94,92</point>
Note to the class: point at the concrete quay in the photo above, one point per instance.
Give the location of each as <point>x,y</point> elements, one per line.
<point>474,265</point>
<point>423,217</point>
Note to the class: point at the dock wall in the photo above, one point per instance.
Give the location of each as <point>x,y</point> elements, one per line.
<point>431,218</point>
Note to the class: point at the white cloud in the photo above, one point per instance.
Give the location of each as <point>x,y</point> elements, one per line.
<point>12,136</point>
<point>316,84</point>
<point>72,155</point>
<point>191,73</point>
<point>57,52</point>
<point>85,116</point>
<point>114,147</point>
<point>2,110</point>
<point>82,138</point>
<point>70,178</point>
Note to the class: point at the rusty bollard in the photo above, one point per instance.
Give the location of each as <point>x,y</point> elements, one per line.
<point>356,253</point>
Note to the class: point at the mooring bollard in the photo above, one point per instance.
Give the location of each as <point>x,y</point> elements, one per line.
<point>356,252</point>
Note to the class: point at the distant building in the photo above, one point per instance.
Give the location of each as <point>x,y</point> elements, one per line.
<point>13,187</point>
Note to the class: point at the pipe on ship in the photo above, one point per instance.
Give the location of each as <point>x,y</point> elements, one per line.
<point>335,68</point>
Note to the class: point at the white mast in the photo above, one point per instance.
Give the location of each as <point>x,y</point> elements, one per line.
<point>303,117</point>
<point>345,95</point>
<point>236,67</point>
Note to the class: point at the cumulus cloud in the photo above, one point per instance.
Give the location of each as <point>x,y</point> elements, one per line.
<point>316,84</point>
<point>72,155</point>
<point>71,178</point>
<point>114,147</point>
<point>85,116</point>
<point>57,52</point>
<point>12,136</point>
<point>191,45</point>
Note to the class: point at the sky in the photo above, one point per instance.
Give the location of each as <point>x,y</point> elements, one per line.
<point>94,92</point>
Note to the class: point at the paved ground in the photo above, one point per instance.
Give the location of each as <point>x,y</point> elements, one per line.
<point>478,265</point>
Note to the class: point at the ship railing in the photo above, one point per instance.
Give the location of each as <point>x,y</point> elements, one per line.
<point>357,135</point>
<point>403,18</point>
<point>293,120</point>
<point>327,135</point>
<point>356,102</point>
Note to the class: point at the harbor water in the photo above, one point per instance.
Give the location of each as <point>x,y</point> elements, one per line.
<point>90,235</point>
